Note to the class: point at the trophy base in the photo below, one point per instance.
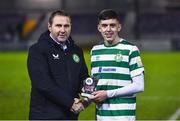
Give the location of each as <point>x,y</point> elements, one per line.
<point>86,95</point>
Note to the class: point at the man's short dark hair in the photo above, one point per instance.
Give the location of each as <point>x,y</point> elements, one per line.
<point>58,12</point>
<point>107,14</point>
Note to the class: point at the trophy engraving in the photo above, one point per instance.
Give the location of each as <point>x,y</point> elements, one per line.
<point>89,85</point>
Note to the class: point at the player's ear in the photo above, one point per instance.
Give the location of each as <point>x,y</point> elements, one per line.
<point>119,27</point>
<point>99,28</point>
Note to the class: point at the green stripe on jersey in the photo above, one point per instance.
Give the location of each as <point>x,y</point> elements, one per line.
<point>134,67</point>
<point>116,112</point>
<point>125,42</point>
<point>134,54</point>
<point>107,87</point>
<point>110,51</point>
<point>120,100</point>
<point>113,76</point>
<point>109,63</point>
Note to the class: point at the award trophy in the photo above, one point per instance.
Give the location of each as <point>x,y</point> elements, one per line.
<point>89,86</point>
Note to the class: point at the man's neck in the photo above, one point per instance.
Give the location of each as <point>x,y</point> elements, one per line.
<point>63,45</point>
<point>111,43</point>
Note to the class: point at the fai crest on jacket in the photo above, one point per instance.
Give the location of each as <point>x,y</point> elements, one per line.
<point>76,58</point>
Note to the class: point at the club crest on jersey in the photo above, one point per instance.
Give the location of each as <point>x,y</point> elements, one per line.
<point>76,58</point>
<point>55,56</point>
<point>118,57</point>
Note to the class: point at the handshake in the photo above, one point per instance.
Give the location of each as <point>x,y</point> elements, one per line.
<point>77,106</point>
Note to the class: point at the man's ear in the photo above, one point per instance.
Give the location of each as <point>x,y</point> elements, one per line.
<point>49,27</point>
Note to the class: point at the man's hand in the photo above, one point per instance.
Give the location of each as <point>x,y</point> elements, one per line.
<point>98,96</point>
<point>77,106</point>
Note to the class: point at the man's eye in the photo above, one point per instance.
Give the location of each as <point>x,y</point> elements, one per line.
<point>66,26</point>
<point>59,25</point>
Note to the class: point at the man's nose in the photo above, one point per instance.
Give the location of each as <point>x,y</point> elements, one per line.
<point>62,29</point>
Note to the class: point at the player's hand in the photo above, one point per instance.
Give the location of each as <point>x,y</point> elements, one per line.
<point>98,96</point>
<point>77,106</point>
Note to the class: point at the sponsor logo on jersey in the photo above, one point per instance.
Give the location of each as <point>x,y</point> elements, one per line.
<point>106,70</point>
<point>100,69</point>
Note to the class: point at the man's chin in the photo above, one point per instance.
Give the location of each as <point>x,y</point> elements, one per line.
<point>62,39</point>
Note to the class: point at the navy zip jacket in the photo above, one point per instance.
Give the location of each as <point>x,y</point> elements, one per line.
<point>56,77</point>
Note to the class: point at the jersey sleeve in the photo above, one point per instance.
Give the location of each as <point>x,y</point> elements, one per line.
<point>135,63</point>
<point>91,61</point>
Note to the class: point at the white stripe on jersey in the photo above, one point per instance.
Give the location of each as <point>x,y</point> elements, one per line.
<point>136,72</point>
<point>117,107</point>
<point>110,57</point>
<point>114,82</point>
<point>135,60</point>
<point>119,46</point>
<point>116,118</point>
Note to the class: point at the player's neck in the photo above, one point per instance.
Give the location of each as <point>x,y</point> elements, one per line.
<point>112,43</point>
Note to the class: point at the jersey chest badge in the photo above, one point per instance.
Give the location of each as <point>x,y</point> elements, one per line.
<point>118,57</point>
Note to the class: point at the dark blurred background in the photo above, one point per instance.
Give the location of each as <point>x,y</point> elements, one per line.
<point>151,24</point>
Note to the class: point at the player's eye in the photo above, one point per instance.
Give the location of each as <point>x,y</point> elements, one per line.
<point>104,25</point>
<point>112,25</point>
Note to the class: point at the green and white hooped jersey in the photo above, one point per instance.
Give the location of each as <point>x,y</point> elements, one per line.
<point>115,66</point>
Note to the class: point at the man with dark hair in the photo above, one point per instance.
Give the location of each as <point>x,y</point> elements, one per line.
<point>118,64</point>
<point>57,69</point>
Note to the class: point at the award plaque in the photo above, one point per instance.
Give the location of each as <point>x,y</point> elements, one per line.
<point>89,86</point>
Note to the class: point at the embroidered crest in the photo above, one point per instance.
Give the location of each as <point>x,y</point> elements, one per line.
<point>76,58</point>
<point>55,56</point>
<point>118,57</point>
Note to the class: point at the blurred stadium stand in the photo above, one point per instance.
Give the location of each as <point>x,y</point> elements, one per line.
<point>151,24</point>
<point>160,24</point>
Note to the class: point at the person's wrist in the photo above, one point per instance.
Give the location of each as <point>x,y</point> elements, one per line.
<point>86,102</point>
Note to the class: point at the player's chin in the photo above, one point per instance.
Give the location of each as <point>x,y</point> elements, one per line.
<point>109,39</point>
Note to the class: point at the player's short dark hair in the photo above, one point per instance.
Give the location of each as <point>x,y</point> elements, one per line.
<point>56,13</point>
<point>107,14</point>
